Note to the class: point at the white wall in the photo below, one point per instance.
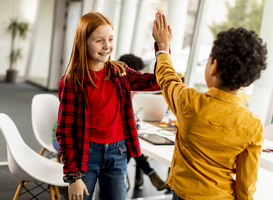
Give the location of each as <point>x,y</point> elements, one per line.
<point>25,10</point>
<point>74,15</point>
<point>42,40</point>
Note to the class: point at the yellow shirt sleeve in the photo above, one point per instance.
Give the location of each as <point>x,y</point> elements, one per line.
<point>247,164</point>
<point>169,82</point>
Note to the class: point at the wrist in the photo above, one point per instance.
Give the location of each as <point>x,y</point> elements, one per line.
<point>163,47</point>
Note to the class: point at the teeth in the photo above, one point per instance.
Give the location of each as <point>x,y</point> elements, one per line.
<point>104,54</point>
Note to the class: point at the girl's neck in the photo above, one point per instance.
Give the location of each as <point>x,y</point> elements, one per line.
<point>96,67</point>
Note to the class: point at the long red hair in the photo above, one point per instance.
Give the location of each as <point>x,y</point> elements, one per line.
<point>77,68</point>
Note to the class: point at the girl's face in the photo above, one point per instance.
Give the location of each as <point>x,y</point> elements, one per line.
<point>100,45</point>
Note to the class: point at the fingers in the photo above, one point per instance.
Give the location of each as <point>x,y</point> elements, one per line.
<point>154,26</point>
<point>75,197</point>
<point>170,30</point>
<point>165,21</point>
<point>86,191</point>
<point>160,22</point>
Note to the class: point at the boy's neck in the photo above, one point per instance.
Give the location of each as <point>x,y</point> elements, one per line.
<point>216,83</point>
<point>234,92</point>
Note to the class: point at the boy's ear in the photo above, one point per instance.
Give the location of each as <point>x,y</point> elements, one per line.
<point>214,68</point>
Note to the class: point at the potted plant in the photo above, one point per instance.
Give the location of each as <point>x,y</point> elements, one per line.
<point>20,30</point>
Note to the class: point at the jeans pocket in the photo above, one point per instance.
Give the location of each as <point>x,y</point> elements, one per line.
<point>122,149</point>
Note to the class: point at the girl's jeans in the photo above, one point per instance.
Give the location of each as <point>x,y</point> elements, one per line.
<point>108,164</point>
<point>176,197</point>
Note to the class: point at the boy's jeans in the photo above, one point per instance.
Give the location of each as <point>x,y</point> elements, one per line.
<point>108,163</point>
<point>176,197</point>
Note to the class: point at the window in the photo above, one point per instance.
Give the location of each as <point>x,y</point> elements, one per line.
<point>221,15</point>
<point>182,22</point>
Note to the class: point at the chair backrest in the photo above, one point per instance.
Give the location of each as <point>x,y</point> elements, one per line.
<point>44,113</point>
<point>268,132</point>
<point>24,163</point>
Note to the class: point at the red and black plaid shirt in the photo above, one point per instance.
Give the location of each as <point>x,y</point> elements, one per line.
<point>73,118</point>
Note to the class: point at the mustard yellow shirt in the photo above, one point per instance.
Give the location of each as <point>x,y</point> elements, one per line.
<point>217,139</point>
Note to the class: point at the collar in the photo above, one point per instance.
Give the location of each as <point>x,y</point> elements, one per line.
<point>224,96</point>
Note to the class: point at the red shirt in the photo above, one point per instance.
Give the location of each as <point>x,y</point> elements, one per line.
<point>105,125</point>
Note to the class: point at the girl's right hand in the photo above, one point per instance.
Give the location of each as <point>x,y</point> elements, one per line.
<point>75,190</point>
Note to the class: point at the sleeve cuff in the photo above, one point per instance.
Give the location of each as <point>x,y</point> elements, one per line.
<point>71,178</point>
<point>160,52</point>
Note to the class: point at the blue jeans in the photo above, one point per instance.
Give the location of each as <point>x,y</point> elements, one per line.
<point>176,197</point>
<point>56,145</point>
<point>108,163</point>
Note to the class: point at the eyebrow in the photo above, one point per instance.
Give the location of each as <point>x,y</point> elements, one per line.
<point>102,36</point>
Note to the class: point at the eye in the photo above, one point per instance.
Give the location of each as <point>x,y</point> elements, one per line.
<point>99,41</point>
<point>111,39</point>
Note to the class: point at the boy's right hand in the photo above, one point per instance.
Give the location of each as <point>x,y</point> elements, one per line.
<point>75,190</point>
<point>162,32</point>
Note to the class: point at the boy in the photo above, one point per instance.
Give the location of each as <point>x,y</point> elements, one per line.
<point>217,138</point>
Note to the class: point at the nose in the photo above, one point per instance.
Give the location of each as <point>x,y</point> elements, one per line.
<point>106,45</point>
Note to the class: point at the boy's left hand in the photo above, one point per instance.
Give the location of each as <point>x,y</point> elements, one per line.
<point>162,32</point>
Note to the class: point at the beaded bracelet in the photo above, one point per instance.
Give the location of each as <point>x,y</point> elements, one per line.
<point>71,178</point>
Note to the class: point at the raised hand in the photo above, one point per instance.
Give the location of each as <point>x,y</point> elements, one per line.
<point>162,32</point>
<point>75,190</point>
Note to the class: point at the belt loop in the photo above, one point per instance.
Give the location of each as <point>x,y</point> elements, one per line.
<point>90,144</point>
<point>117,143</point>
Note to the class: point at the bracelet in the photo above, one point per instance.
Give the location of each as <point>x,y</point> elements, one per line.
<point>71,178</point>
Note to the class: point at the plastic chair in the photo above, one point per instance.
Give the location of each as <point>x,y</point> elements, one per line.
<point>268,132</point>
<point>27,165</point>
<point>44,113</point>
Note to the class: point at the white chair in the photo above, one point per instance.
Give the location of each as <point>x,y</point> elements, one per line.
<point>27,165</point>
<point>268,132</point>
<point>44,113</point>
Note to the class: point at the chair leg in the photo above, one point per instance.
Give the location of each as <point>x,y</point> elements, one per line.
<point>51,192</point>
<point>58,157</point>
<point>42,151</point>
<point>18,191</point>
<point>128,181</point>
<point>56,191</point>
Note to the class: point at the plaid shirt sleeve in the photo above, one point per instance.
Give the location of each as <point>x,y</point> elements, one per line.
<point>64,131</point>
<point>141,82</point>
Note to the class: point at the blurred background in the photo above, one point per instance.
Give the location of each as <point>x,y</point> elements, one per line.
<point>40,55</point>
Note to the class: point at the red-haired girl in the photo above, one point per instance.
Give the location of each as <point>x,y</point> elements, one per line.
<point>96,125</point>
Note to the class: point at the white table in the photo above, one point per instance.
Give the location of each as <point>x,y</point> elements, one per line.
<point>160,153</point>
<point>164,153</point>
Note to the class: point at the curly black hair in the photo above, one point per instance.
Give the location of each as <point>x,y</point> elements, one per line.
<point>241,56</point>
<point>132,61</point>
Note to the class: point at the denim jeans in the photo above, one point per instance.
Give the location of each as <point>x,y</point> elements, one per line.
<point>176,197</point>
<point>56,145</point>
<point>108,164</point>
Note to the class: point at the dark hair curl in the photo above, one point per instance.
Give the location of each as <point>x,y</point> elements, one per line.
<point>132,61</point>
<point>241,57</point>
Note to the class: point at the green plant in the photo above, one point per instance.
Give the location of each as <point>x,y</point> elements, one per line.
<point>20,29</point>
<point>245,13</point>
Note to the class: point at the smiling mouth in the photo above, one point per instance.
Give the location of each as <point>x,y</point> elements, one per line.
<point>104,54</point>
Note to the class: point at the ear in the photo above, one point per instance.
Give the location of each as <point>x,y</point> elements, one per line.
<point>214,68</point>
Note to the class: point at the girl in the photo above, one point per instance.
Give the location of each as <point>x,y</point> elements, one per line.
<point>96,124</point>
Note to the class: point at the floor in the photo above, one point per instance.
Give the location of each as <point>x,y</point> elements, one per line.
<point>15,101</point>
